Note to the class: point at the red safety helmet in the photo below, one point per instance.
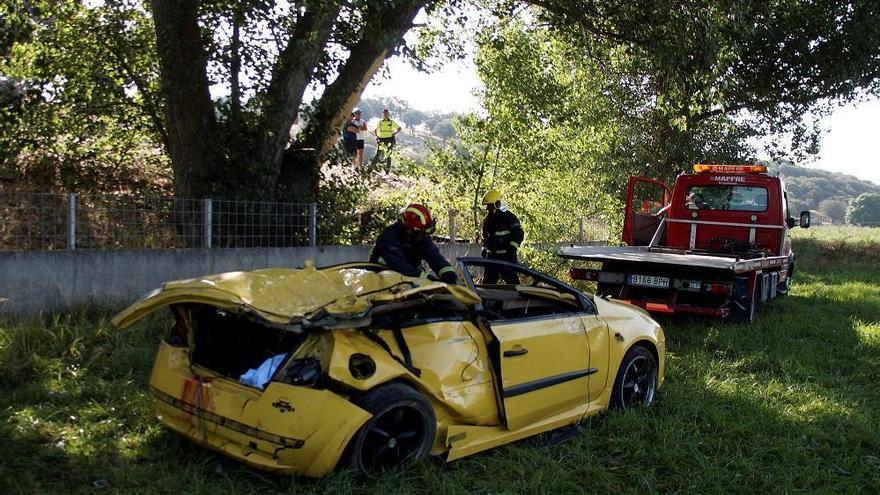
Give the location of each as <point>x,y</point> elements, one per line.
<point>417,217</point>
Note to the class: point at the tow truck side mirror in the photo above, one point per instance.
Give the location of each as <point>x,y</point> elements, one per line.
<point>789,222</point>
<point>805,220</point>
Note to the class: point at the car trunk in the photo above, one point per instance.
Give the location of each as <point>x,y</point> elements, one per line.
<point>231,344</point>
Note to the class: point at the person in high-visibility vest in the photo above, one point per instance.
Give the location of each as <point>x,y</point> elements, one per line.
<point>502,236</point>
<point>403,246</point>
<point>385,132</point>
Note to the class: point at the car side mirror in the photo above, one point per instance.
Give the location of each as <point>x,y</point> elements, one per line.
<point>789,222</point>
<point>805,220</point>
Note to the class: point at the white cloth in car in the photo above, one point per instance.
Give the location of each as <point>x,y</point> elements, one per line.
<point>260,377</point>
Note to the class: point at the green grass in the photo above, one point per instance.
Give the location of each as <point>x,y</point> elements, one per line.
<point>788,404</point>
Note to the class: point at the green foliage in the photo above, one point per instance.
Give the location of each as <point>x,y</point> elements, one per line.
<point>83,116</point>
<point>786,62</point>
<point>864,210</point>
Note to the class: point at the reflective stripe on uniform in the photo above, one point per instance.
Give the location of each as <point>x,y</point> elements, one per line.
<point>514,244</point>
<point>502,232</point>
<point>498,251</point>
<point>418,214</point>
<point>445,269</point>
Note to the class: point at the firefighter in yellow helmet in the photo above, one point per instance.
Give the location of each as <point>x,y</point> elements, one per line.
<point>502,236</point>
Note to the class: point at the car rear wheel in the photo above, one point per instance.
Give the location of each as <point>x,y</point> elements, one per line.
<point>401,431</point>
<point>636,381</point>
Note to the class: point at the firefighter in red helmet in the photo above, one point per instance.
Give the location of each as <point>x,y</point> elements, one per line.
<point>403,246</point>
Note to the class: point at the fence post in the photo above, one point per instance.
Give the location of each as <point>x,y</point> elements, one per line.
<point>313,224</point>
<point>71,221</point>
<point>580,229</point>
<point>207,221</point>
<point>452,232</point>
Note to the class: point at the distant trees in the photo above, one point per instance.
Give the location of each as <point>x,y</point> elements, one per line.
<point>815,189</point>
<point>835,209</point>
<point>865,209</point>
<point>593,90</point>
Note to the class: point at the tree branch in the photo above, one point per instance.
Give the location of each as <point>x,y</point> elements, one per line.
<point>383,31</point>
<point>291,76</point>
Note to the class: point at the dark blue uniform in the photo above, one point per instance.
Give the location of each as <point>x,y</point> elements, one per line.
<point>502,235</point>
<point>404,253</point>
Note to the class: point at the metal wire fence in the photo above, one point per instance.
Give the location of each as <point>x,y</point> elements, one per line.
<point>46,221</point>
<point>53,221</point>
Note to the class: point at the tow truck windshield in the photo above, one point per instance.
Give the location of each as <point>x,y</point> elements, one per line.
<point>728,198</point>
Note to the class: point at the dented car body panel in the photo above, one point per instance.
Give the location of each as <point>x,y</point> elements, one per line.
<point>494,363</point>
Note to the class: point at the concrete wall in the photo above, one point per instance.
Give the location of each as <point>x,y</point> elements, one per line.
<point>35,281</point>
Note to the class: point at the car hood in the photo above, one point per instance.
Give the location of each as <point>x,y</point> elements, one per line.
<point>340,296</point>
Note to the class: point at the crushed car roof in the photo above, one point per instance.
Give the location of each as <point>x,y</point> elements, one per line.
<point>284,296</point>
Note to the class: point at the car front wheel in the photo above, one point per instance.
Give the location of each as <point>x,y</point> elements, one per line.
<point>401,431</point>
<point>636,381</point>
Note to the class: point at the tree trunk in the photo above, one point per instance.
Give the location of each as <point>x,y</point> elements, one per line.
<point>189,111</point>
<point>234,72</point>
<point>291,76</point>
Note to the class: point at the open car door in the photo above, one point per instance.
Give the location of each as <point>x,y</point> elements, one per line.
<point>646,203</point>
<point>541,347</point>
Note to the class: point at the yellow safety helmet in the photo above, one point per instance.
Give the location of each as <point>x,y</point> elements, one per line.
<point>492,197</point>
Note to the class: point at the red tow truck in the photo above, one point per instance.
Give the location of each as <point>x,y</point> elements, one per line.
<point>716,244</point>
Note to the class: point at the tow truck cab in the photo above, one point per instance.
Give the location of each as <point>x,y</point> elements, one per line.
<point>716,244</point>
<point>721,209</point>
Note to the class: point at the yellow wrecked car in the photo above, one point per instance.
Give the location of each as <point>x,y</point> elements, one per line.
<point>302,370</point>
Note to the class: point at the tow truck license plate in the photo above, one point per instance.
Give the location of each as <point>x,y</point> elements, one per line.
<point>648,281</point>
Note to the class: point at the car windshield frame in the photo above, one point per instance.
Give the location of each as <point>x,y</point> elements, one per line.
<point>587,305</point>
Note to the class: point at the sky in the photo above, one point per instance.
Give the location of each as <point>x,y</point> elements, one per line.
<point>851,145</point>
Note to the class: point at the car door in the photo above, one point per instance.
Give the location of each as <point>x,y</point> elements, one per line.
<point>541,349</point>
<point>544,367</point>
<point>646,200</point>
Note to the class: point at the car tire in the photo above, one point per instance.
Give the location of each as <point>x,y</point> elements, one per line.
<point>636,382</point>
<point>400,433</point>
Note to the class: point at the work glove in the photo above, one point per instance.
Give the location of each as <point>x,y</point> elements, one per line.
<point>484,253</point>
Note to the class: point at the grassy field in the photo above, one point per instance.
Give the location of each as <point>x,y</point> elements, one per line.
<point>788,404</point>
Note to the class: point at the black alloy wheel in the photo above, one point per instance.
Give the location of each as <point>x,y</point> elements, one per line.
<point>400,433</point>
<point>636,381</point>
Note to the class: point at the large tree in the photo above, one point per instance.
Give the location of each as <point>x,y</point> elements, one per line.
<point>770,65</point>
<point>333,46</point>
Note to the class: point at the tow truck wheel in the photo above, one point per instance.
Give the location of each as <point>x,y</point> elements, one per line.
<point>606,289</point>
<point>785,285</point>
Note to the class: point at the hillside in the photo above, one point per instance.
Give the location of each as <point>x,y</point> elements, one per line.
<point>816,189</point>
